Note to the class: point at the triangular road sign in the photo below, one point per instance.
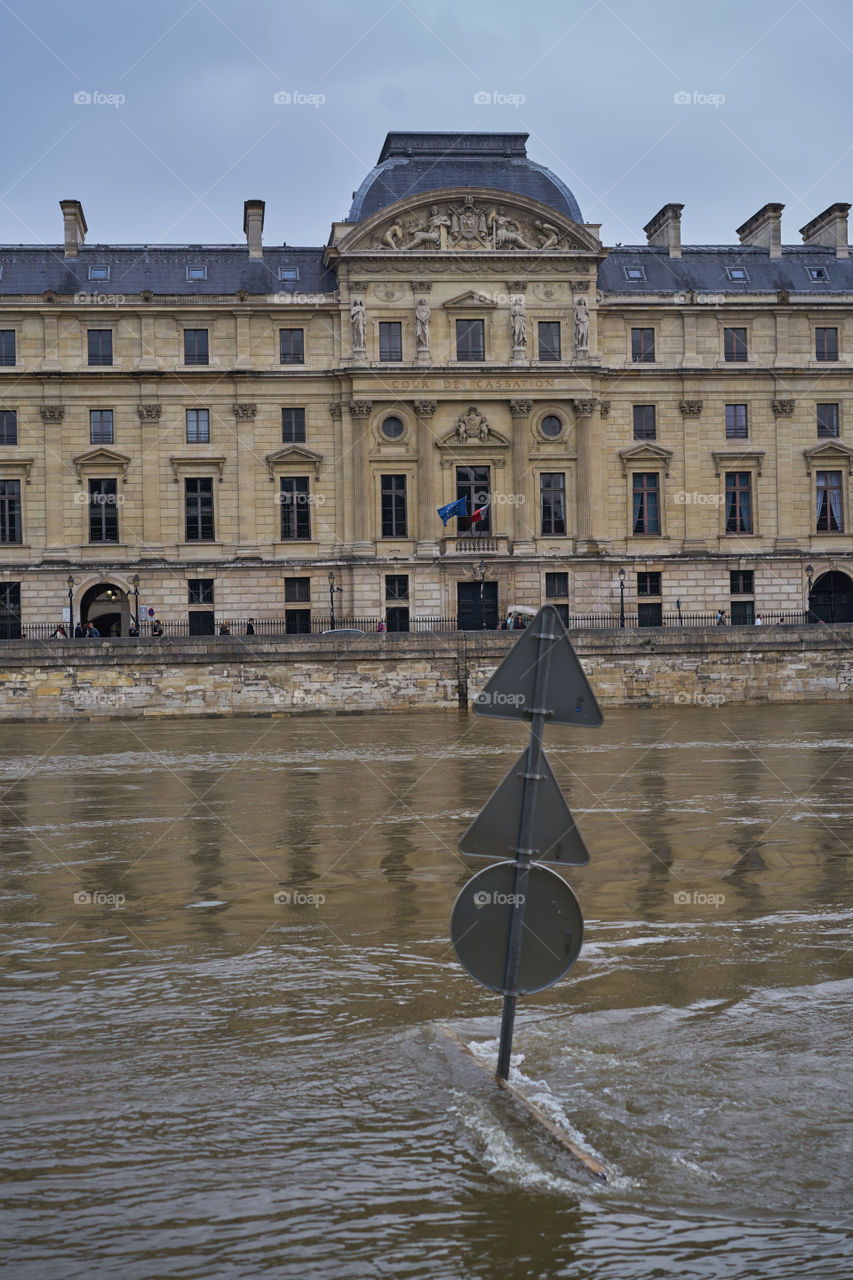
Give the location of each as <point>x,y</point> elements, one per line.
<point>494,832</point>
<point>567,695</point>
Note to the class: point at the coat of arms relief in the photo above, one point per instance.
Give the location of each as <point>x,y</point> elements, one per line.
<point>472,225</point>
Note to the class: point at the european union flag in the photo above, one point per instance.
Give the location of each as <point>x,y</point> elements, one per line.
<point>457,508</point>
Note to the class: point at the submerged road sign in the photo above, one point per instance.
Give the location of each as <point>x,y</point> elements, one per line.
<point>566,697</point>
<point>554,837</point>
<point>551,937</point>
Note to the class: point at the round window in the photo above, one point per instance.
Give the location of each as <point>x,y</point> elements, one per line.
<point>551,427</point>
<point>392,428</point>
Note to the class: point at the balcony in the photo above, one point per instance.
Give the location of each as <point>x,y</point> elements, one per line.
<point>476,545</point>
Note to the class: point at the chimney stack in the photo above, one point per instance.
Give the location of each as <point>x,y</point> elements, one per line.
<point>829,228</point>
<point>764,229</point>
<point>75,226</point>
<point>253,225</point>
<point>665,229</point>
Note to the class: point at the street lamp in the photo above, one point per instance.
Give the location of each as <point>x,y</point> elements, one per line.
<point>809,576</point>
<point>621,597</point>
<point>332,590</point>
<point>70,584</point>
<point>482,569</point>
<point>135,581</point>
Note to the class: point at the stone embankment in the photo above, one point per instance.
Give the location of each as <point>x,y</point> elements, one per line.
<point>233,675</point>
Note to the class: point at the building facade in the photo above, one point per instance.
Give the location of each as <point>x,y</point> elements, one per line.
<point>210,432</point>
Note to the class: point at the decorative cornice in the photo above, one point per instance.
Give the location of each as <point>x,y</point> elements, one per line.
<point>420,286</point>
<point>579,286</point>
<point>737,458</point>
<point>361,408</point>
<point>52,412</point>
<point>520,408</point>
<point>335,410</point>
<point>584,408</point>
<point>245,412</point>
<point>190,464</point>
<point>149,412</point>
<point>293,453</point>
<point>604,408</point>
<point>829,453</point>
<point>101,457</point>
<point>21,466</point>
<point>783,408</point>
<point>424,408</point>
<point>691,408</point>
<point>646,454</point>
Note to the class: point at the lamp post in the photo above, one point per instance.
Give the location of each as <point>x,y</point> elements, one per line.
<point>135,581</point>
<point>70,584</point>
<point>809,576</point>
<point>621,597</point>
<point>482,569</point>
<point>332,590</point>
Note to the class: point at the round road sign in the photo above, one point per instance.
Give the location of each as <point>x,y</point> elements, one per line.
<point>551,936</point>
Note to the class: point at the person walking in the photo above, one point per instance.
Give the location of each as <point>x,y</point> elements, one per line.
<point>225,628</point>
<point>92,631</point>
<point>759,621</point>
<point>250,627</point>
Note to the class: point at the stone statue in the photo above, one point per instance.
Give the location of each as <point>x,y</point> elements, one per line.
<point>393,236</point>
<point>518,321</point>
<point>472,426</point>
<point>581,323</point>
<point>432,233</point>
<point>548,234</point>
<point>358,320</point>
<point>422,324</point>
<point>506,233</point>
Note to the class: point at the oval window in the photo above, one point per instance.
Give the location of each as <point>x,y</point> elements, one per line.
<point>392,428</point>
<point>551,427</point>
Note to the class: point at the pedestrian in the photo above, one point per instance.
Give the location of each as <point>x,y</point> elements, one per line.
<point>156,627</point>
<point>721,618</point>
<point>78,631</point>
<point>250,627</point>
<point>92,631</point>
<point>133,629</point>
<point>759,621</point>
<point>225,628</point>
<point>380,626</point>
<point>59,634</point>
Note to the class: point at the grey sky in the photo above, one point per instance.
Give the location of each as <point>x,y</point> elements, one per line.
<point>199,130</point>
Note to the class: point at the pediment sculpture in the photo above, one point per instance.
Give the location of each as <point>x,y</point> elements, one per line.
<point>473,428</point>
<point>472,224</point>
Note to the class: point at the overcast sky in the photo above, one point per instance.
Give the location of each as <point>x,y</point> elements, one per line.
<point>722,105</point>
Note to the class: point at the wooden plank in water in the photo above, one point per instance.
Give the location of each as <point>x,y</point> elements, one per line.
<point>589,1164</point>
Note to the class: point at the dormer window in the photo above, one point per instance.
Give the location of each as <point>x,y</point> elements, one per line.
<point>737,273</point>
<point>196,273</point>
<point>288,273</point>
<point>818,273</point>
<point>99,273</point>
<point>634,273</point>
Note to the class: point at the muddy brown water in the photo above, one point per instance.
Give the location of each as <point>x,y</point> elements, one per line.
<point>226,957</point>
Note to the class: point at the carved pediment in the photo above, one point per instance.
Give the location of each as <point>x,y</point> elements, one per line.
<point>101,457</point>
<point>199,464</point>
<point>645,455</point>
<point>829,453</point>
<point>470,299</point>
<point>731,459</point>
<point>472,429</point>
<point>467,220</point>
<point>289,454</point>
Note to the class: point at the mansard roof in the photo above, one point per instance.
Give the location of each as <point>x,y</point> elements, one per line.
<point>416,163</point>
<point>703,269</point>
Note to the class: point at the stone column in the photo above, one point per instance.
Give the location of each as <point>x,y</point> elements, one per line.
<point>690,354</point>
<point>147,343</point>
<point>340,474</point>
<point>50,355</point>
<point>247,533</point>
<point>427,507</point>
<point>58,533</point>
<point>783,351</point>
<point>588,477</point>
<point>243,355</point>
<point>149,424</point>
<point>524,517</point>
<point>360,411</point>
<point>783,413</point>
<point>694,520</point>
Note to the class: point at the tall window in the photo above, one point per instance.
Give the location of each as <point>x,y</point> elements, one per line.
<point>10,511</point>
<point>295,509</point>
<point>200,591</point>
<point>390,340</point>
<point>742,582</point>
<point>738,502</point>
<point>101,426</point>
<point>10,610</point>
<point>394,507</point>
<point>474,484</point>
<point>291,346</point>
<point>648,583</point>
<point>198,493</point>
<point>8,426</point>
<point>736,422</point>
<point>826,344</point>
<point>103,511</point>
<point>549,340</point>
<point>645,422</point>
<point>293,426</point>
<point>734,344</point>
<point>643,346</point>
<point>470,339</point>
<point>100,346</point>
<point>552,502</point>
<point>646,516</point>
<point>827,420</point>
<point>195,346</point>
<point>7,346</point>
<point>198,426</point>
<point>830,516</point>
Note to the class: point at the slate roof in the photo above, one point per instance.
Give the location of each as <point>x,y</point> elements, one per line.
<point>415,163</point>
<point>703,269</point>
<point>162,269</point>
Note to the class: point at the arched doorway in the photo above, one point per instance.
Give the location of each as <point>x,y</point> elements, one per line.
<point>831,598</point>
<point>108,607</point>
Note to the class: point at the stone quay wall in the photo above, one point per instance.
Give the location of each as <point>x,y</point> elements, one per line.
<point>234,675</point>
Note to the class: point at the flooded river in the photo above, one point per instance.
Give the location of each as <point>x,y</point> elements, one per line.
<point>226,962</point>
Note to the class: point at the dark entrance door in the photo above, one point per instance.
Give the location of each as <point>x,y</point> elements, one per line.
<point>831,599</point>
<point>469,614</point>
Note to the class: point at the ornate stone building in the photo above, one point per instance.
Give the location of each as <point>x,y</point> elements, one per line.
<point>229,425</point>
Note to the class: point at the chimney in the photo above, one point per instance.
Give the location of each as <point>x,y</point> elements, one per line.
<point>665,229</point>
<point>253,225</point>
<point>829,228</point>
<point>75,226</point>
<point>764,229</point>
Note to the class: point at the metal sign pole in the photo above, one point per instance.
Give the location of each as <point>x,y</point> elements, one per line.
<point>524,851</point>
